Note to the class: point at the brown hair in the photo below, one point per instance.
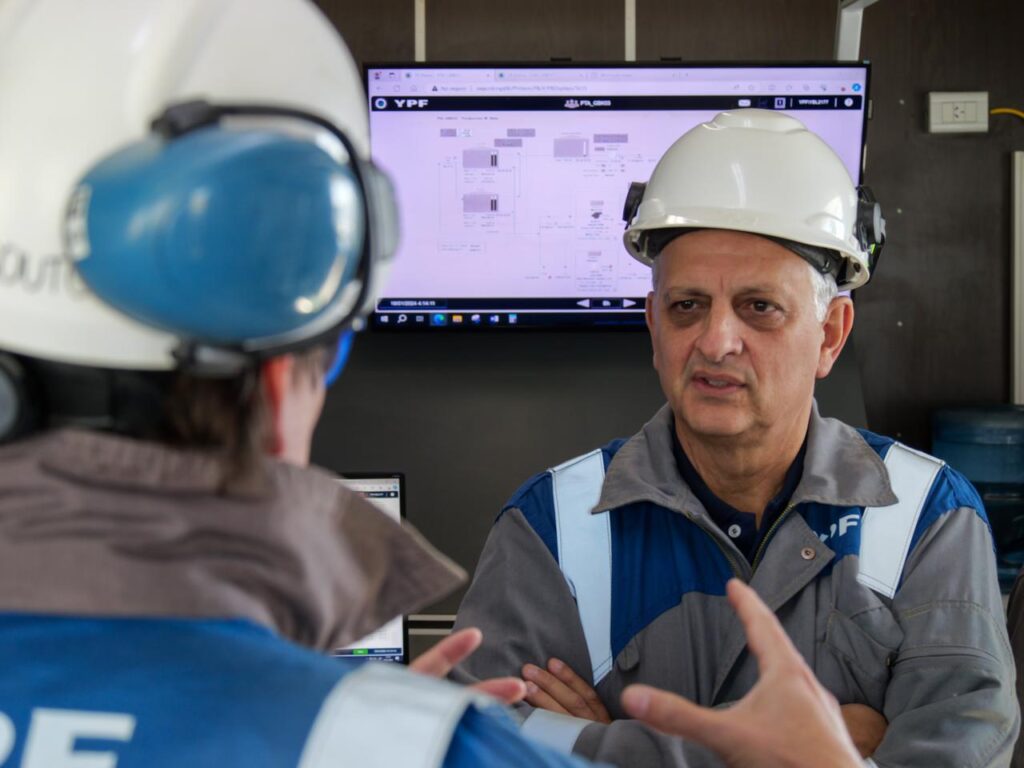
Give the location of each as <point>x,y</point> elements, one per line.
<point>230,416</point>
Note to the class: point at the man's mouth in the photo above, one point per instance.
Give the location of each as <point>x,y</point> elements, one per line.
<point>717,383</point>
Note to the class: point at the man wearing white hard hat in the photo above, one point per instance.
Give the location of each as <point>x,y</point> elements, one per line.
<point>877,559</point>
<point>165,552</point>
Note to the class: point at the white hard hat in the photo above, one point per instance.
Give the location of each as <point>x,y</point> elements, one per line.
<point>80,86</point>
<point>761,172</point>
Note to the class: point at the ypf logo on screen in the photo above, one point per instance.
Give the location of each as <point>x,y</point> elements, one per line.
<point>382,103</point>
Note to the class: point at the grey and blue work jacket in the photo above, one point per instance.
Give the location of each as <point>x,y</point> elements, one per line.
<point>152,607</point>
<point>881,569</point>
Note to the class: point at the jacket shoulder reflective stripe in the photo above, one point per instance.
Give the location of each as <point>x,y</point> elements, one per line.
<point>585,552</point>
<point>886,532</point>
<point>381,717</point>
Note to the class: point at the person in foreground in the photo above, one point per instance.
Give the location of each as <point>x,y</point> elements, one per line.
<point>787,720</point>
<point>171,570</point>
<point>611,568</point>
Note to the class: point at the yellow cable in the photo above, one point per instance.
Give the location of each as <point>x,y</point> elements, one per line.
<point>1007,111</point>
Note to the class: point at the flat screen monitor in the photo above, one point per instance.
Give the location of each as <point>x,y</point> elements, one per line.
<point>391,642</point>
<point>511,179</point>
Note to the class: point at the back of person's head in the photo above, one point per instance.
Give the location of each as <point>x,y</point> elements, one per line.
<point>185,194</point>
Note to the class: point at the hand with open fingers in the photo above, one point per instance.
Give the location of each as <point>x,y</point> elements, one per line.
<point>787,720</point>
<point>559,689</point>
<point>439,661</point>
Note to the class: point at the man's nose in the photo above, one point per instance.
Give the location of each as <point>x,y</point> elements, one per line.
<point>721,334</point>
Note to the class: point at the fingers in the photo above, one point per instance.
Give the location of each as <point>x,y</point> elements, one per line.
<point>581,687</point>
<point>541,699</point>
<point>439,660</point>
<point>565,697</point>
<point>766,638</point>
<point>674,715</point>
<point>508,690</point>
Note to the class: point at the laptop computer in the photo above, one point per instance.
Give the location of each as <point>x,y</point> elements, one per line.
<point>391,642</point>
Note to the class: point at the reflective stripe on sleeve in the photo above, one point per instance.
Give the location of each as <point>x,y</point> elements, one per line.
<point>554,730</point>
<point>382,717</point>
<point>585,552</point>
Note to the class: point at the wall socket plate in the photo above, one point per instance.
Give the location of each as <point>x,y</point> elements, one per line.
<point>958,112</point>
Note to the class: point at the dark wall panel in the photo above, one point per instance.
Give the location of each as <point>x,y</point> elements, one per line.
<point>935,325</point>
<point>735,29</point>
<point>381,30</point>
<point>469,418</point>
<point>531,30</point>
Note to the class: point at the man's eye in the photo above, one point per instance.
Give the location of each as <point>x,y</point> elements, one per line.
<point>685,305</point>
<point>762,307</point>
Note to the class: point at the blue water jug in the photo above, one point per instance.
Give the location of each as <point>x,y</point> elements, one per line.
<point>987,445</point>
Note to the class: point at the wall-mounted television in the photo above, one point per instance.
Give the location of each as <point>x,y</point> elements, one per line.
<point>511,178</point>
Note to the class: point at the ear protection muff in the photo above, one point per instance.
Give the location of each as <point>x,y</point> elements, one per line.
<point>19,409</point>
<point>283,203</point>
<point>634,197</point>
<point>870,227</point>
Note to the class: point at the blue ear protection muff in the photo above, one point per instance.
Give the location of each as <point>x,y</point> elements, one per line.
<point>245,243</point>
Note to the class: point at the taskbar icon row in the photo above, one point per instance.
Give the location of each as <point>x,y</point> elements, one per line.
<point>444,319</point>
<point>506,320</point>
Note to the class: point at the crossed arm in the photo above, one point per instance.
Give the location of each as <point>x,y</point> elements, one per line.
<point>787,720</point>
<point>559,689</point>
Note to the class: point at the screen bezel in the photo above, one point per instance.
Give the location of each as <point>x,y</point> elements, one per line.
<point>373,323</point>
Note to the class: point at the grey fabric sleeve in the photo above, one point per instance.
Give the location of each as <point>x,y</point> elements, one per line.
<point>950,700</point>
<point>520,601</point>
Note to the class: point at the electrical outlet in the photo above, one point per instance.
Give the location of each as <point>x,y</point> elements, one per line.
<point>958,112</point>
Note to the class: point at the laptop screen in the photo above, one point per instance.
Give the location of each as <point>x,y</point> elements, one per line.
<point>389,643</point>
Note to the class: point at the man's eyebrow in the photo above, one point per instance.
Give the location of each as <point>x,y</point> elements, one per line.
<point>681,291</point>
<point>763,289</point>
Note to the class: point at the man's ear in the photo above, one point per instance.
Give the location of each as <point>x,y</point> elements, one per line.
<point>276,375</point>
<point>649,318</point>
<point>837,326</point>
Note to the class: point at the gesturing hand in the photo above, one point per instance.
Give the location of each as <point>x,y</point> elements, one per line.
<point>787,720</point>
<point>439,660</point>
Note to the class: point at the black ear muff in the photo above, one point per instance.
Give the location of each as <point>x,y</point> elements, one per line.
<point>870,228</point>
<point>19,411</point>
<point>633,199</point>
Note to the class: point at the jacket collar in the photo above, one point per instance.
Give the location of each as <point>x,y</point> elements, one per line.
<point>94,524</point>
<point>840,469</point>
